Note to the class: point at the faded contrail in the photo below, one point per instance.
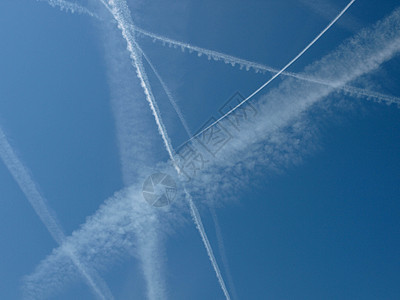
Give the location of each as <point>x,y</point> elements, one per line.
<point>168,93</point>
<point>200,227</point>
<point>282,70</point>
<point>70,6</point>
<point>46,215</point>
<point>222,251</point>
<point>122,15</point>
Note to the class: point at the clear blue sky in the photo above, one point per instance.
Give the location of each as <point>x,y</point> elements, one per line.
<point>325,227</point>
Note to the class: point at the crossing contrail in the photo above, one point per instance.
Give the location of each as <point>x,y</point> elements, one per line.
<point>222,251</point>
<point>282,70</point>
<point>214,216</point>
<point>122,15</point>
<point>194,210</point>
<point>24,180</point>
<point>257,67</point>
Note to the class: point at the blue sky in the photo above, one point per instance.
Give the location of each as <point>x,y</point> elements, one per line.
<point>306,193</point>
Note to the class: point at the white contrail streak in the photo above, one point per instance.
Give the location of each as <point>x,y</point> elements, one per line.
<point>282,70</point>
<point>122,15</point>
<point>222,251</point>
<point>194,211</point>
<point>168,93</point>
<point>46,215</point>
<point>136,137</point>
<point>200,227</point>
<point>70,6</point>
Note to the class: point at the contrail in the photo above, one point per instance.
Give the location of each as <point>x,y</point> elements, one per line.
<point>222,251</point>
<point>194,210</point>
<point>46,215</point>
<point>136,137</point>
<point>282,70</point>
<point>70,6</point>
<point>257,67</point>
<point>122,15</point>
<point>213,213</point>
<point>200,227</point>
<point>168,93</point>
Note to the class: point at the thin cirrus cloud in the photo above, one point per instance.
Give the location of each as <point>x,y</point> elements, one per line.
<point>280,108</point>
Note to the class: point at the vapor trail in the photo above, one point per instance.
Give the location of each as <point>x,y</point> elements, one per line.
<point>46,215</point>
<point>168,93</point>
<point>222,251</point>
<point>257,67</point>
<point>200,227</point>
<point>194,210</point>
<point>70,6</point>
<point>122,15</point>
<point>282,70</point>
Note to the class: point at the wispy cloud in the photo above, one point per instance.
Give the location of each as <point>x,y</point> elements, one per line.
<point>136,134</point>
<point>24,180</point>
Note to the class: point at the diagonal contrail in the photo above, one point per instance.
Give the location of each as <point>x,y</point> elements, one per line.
<point>195,213</point>
<point>282,70</point>
<point>121,14</point>
<point>168,93</point>
<point>200,227</point>
<point>21,175</point>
